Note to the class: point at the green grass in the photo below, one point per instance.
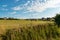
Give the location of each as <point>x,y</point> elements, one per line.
<point>29,30</point>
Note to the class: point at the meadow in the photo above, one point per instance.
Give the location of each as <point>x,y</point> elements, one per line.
<point>28,30</point>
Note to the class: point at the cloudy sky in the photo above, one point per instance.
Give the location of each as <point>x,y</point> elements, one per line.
<point>29,8</point>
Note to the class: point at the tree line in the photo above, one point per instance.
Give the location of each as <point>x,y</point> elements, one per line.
<point>44,19</point>
<point>56,19</point>
<point>5,18</point>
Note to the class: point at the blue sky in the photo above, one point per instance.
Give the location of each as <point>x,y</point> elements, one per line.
<point>29,8</point>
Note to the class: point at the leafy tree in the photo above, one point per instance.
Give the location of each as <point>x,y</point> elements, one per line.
<point>57,19</point>
<point>48,19</point>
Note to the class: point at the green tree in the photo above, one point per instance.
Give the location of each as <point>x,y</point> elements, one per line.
<point>57,19</point>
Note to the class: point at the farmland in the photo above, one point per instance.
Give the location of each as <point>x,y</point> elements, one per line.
<point>29,30</point>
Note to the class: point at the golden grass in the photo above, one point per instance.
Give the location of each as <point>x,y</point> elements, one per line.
<point>29,30</point>
<point>10,24</point>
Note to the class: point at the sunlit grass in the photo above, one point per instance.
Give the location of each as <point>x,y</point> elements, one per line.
<point>29,30</point>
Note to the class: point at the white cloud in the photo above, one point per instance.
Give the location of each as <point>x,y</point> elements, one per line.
<point>16,8</point>
<point>13,12</point>
<point>4,9</point>
<point>27,3</point>
<point>52,3</point>
<point>4,5</point>
<point>17,0</point>
<point>37,6</point>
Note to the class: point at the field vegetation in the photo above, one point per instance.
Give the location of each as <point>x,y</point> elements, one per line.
<point>29,30</point>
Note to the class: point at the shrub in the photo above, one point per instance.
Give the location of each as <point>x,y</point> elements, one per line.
<point>57,19</point>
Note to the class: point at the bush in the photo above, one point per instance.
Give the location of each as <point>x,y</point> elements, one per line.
<point>57,19</point>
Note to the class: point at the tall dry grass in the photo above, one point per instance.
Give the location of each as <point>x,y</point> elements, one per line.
<point>35,32</point>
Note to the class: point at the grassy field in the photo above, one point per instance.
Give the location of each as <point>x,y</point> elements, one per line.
<point>28,30</point>
<point>9,24</point>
